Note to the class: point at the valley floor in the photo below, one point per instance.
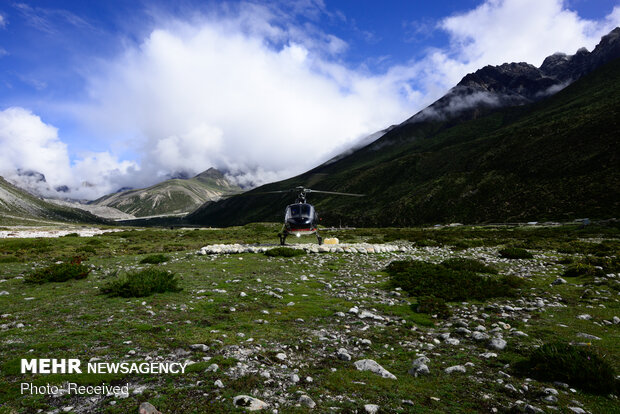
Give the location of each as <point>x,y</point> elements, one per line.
<point>289,331</point>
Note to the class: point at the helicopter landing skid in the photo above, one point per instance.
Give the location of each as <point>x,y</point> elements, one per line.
<point>284,234</point>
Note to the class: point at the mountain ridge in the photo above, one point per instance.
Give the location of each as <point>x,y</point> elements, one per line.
<point>19,206</point>
<point>170,197</point>
<point>515,163</point>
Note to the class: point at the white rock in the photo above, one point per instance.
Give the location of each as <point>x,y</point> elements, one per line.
<point>584,317</point>
<point>588,336</point>
<point>373,366</point>
<point>250,403</point>
<point>577,410</point>
<point>281,356</point>
<point>455,368</point>
<point>498,344</point>
<point>199,347</point>
<point>371,408</point>
<point>488,355</point>
<point>343,354</point>
<point>452,341</point>
<point>306,401</point>
<point>219,384</point>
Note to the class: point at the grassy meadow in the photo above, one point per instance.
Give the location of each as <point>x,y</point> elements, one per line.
<point>274,325</point>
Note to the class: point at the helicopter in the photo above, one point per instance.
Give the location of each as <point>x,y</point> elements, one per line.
<point>301,218</point>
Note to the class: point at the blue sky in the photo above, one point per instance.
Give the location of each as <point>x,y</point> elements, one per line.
<point>100,95</point>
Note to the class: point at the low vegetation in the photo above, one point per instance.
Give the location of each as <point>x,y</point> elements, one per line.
<point>59,272</point>
<point>284,252</point>
<point>578,366</point>
<point>427,279</point>
<point>470,265</point>
<point>142,283</point>
<point>515,253</point>
<point>155,259</point>
<point>432,306</point>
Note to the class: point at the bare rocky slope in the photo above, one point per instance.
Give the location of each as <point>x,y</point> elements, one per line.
<point>175,196</point>
<point>18,206</point>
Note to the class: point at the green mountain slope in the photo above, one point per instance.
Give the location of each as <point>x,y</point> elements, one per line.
<point>18,207</point>
<point>555,159</point>
<point>176,196</point>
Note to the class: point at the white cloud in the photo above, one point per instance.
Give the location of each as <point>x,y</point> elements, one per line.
<point>500,31</point>
<point>31,146</point>
<point>2,21</point>
<point>251,92</point>
<point>217,94</point>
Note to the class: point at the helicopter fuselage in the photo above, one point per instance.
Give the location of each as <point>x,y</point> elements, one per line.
<point>299,219</point>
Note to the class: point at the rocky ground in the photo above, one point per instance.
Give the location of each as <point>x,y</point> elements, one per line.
<point>323,332</point>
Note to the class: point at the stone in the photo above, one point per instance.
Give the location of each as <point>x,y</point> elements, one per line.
<point>577,410</point>
<point>212,368</point>
<point>374,367</point>
<point>250,403</point>
<point>480,336</point>
<point>452,341</point>
<point>558,281</point>
<point>588,336</point>
<point>455,368</point>
<point>584,317</point>
<point>306,401</point>
<point>498,344</point>
<point>371,408</point>
<point>147,408</point>
<point>343,354</point>
<point>219,384</point>
<point>199,347</point>
<point>281,356</point>
<point>488,355</point>
<point>419,367</point>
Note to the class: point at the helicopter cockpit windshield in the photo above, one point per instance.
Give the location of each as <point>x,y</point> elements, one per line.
<point>299,210</point>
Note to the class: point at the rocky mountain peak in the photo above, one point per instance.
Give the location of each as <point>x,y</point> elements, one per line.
<point>212,173</point>
<point>519,83</point>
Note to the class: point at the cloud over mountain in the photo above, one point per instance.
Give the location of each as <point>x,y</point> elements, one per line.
<point>249,90</point>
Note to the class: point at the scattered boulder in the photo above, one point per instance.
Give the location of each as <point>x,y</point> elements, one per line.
<point>343,354</point>
<point>306,401</point>
<point>419,367</point>
<point>498,344</point>
<point>250,403</point>
<point>374,367</point>
<point>455,368</point>
<point>147,408</point>
<point>371,408</point>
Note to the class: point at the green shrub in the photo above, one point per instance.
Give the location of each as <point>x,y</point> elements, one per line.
<point>143,283</point>
<point>86,249</point>
<point>515,253</point>
<point>426,279</point>
<point>284,252</point>
<point>59,272</point>
<point>471,265</point>
<point>581,269</point>
<point>432,306</point>
<point>10,259</point>
<point>71,235</point>
<point>94,242</point>
<point>578,366</point>
<point>155,259</point>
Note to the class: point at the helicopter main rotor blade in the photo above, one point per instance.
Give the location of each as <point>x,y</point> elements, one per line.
<point>334,192</point>
<point>276,192</point>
